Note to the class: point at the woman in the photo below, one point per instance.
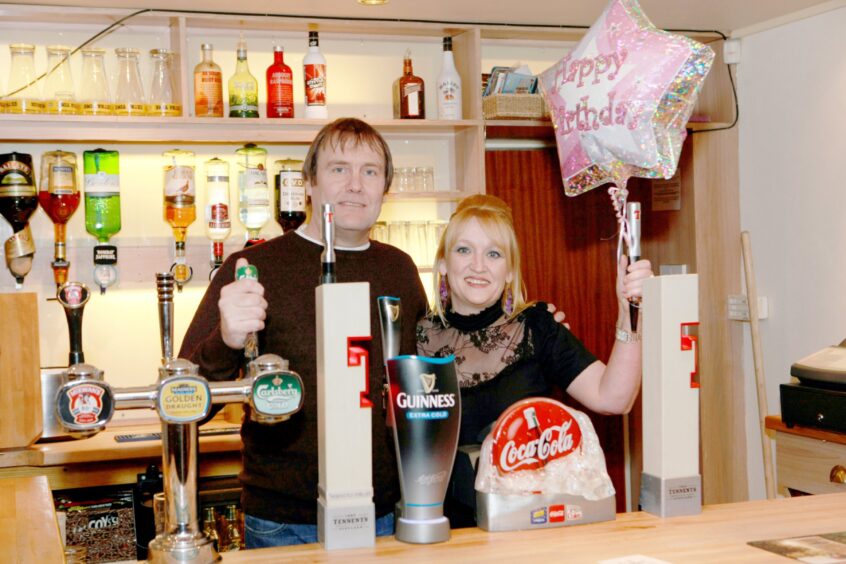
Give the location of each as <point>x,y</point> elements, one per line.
<point>506,349</point>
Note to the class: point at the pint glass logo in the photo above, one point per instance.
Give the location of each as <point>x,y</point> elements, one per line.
<point>277,394</point>
<point>532,433</point>
<point>428,383</point>
<point>86,403</point>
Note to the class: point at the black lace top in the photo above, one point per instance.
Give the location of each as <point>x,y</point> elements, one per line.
<point>500,361</point>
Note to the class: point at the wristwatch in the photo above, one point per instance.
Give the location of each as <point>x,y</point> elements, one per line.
<point>626,336</point>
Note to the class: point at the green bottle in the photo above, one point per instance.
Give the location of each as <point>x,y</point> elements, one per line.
<point>102,210</point>
<point>243,87</point>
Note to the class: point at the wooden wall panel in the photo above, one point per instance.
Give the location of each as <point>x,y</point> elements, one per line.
<point>20,375</point>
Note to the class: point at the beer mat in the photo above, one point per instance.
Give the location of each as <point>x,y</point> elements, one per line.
<point>829,548</point>
<point>633,559</point>
<point>136,437</point>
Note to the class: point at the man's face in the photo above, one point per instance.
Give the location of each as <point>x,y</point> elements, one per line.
<point>352,178</point>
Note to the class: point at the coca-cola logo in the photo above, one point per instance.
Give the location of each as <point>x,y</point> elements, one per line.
<point>533,432</point>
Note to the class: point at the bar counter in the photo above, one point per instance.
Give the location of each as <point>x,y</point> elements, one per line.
<point>718,534</point>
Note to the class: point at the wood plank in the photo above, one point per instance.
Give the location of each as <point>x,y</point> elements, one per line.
<point>774,423</point>
<point>29,531</point>
<point>719,534</point>
<point>20,373</point>
<point>806,464</point>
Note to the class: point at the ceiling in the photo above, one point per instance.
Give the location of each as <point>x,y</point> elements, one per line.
<point>723,15</point>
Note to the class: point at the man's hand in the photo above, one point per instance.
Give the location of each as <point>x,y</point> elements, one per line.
<point>558,315</point>
<point>242,309</point>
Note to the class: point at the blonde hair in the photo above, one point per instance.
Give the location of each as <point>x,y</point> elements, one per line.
<point>496,219</point>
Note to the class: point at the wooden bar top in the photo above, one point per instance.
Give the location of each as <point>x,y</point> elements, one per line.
<point>718,534</point>
<point>103,447</point>
<point>29,531</point>
<point>774,423</point>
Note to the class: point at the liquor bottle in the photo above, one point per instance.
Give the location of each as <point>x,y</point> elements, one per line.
<point>208,85</point>
<point>243,87</point>
<point>209,526</point>
<point>101,170</point>
<point>59,198</point>
<point>234,540</point>
<point>290,194</point>
<point>409,99</point>
<point>314,69</point>
<point>253,191</point>
<point>18,201</point>
<point>449,86</point>
<point>179,207</point>
<point>218,224</point>
<point>280,86</point>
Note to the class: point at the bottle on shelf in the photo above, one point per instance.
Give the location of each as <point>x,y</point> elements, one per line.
<point>179,207</point>
<point>208,85</point>
<point>129,92</point>
<point>234,541</point>
<point>314,70</point>
<point>59,198</point>
<point>163,101</point>
<point>59,91</point>
<point>94,92</point>
<point>101,169</point>
<point>243,87</point>
<point>210,526</point>
<point>449,86</point>
<point>218,224</point>
<point>409,98</point>
<point>18,201</point>
<point>280,86</point>
<point>290,194</point>
<point>23,95</point>
<point>254,199</point>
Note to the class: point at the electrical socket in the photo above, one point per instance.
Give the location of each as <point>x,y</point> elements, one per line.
<point>738,308</point>
<point>731,51</point>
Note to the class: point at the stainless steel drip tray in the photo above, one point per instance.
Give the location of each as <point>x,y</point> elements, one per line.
<point>496,512</point>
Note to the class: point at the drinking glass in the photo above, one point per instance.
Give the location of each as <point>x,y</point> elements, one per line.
<point>94,94</point>
<point>129,92</point>
<point>59,91</point>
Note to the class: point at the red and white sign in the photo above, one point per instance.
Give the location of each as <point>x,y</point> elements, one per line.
<point>533,432</point>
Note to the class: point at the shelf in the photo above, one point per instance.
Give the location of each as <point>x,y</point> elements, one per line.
<point>542,129</point>
<point>42,128</point>
<point>450,196</point>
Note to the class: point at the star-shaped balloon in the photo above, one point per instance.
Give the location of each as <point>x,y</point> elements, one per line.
<point>621,99</point>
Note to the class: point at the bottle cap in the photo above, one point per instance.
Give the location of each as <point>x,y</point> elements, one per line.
<point>447,43</point>
<point>278,49</point>
<point>206,47</point>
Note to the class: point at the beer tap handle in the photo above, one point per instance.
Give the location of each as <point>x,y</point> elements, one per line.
<point>73,296</point>
<point>84,402</point>
<point>164,289</point>
<point>249,272</point>
<point>327,257</point>
<point>390,318</point>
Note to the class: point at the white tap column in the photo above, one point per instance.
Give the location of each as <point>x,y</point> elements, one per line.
<point>671,484</point>
<point>345,510</point>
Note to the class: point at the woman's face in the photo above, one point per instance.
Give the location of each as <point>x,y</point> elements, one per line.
<point>476,269</point>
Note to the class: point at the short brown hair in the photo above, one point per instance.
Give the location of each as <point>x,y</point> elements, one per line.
<point>342,132</point>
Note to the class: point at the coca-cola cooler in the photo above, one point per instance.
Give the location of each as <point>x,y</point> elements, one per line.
<point>540,467</point>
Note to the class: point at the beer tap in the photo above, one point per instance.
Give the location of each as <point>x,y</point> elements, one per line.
<point>73,296</point>
<point>182,398</point>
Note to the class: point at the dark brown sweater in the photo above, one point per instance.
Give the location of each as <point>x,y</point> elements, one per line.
<point>280,471</point>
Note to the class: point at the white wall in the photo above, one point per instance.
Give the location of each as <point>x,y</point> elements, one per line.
<point>792,82</point>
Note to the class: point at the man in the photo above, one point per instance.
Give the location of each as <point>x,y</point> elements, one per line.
<point>348,164</point>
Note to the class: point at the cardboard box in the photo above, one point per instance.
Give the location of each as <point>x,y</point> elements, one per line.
<point>104,524</point>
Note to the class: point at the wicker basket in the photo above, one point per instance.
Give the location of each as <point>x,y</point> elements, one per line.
<point>514,106</point>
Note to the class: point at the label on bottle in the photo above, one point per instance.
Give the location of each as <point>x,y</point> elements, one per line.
<point>218,216</point>
<point>105,254</point>
<point>315,83</point>
<point>179,185</point>
<point>253,185</point>
<point>280,94</point>
<point>62,179</point>
<point>208,94</point>
<point>102,184</point>
<point>449,99</point>
<point>15,177</point>
<point>411,92</point>
<point>292,194</point>
<point>20,244</point>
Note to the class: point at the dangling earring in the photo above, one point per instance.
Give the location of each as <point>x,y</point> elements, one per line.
<point>444,292</point>
<point>509,301</point>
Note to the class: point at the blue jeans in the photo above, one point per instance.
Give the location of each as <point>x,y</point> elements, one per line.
<point>261,533</point>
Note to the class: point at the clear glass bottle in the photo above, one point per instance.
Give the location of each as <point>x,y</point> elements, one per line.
<point>179,207</point>
<point>409,98</point>
<point>162,101</point>
<point>209,526</point>
<point>208,85</point>
<point>129,93</point>
<point>449,86</point>
<point>243,87</point>
<point>218,222</point>
<point>94,91</point>
<point>254,199</point>
<point>59,198</point>
<point>314,71</point>
<point>24,96</point>
<point>59,91</point>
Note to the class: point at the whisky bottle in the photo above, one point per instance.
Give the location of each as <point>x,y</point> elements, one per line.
<point>449,86</point>
<point>243,87</point>
<point>409,99</point>
<point>280,86</point>
<point>18,201</point>
<point>208,85</point>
